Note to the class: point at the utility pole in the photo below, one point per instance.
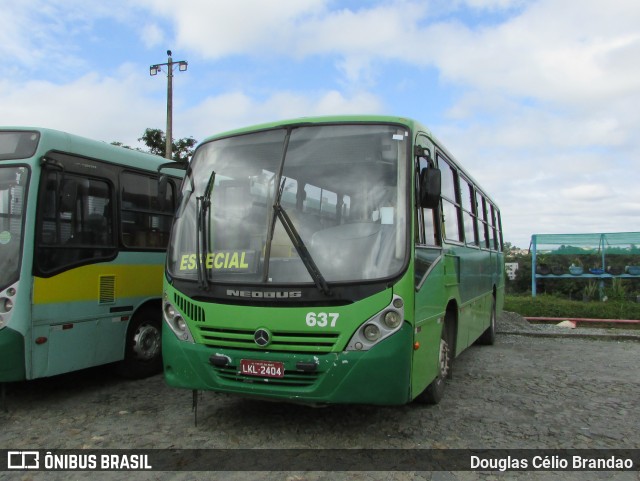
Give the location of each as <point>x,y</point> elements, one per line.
<point>153,70</point>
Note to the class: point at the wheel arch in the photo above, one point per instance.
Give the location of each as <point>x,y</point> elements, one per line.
<point>451,322</point>
<point>150,304</point>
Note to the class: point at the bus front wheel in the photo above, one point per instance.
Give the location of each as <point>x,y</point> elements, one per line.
<point>143,356</point>
<point>434,392</point>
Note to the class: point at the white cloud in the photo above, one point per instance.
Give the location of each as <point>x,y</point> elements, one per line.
<point>297,29</point>
<point>237,109</point>
<point>551,51</point>
<point>544,112</point>
<point>219,29</point>
<point>587,193</point>
<point>108,109</point>
<point>46,37</point>
<point>152,35</point>
<point>492,4</point>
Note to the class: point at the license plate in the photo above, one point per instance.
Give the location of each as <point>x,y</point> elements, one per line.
<point>250,367</point>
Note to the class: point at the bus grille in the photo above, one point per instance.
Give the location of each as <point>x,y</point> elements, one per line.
<point>290,379</point>
<point>280,340</point>
<point>195,313</point>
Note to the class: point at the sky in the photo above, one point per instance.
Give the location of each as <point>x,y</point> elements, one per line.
<point>539,100</point>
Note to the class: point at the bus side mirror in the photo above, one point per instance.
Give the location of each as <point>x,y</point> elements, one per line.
<point>430,187</point>
<point>162,191</point>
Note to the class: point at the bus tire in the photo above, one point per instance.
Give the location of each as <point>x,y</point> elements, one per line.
<point>143,356</point>
<point>434,392</point>
<point>488,337</point>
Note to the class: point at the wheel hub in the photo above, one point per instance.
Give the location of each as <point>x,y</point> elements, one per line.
<point>444,358</point>
<point>146,342</point>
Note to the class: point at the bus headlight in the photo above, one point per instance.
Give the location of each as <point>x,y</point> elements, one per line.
<point>392,319</point>
<point>371,332</point>
<point>176,322</point>
<point>169,311</point>
<point>6,305</point>
<point>379,327</point>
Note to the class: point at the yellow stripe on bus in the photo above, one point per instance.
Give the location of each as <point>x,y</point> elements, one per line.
<point>83,283</point>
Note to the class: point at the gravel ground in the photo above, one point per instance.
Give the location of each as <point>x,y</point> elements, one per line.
<point>537,387</point>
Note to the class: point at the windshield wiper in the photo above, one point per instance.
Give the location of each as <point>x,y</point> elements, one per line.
<point>203,203</point>
<point>302,250</point>
<point>290,229</point>
<point>299,244</point>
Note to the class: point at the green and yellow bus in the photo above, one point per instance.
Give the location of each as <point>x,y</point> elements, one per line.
<point>329,260</point>
<point>83,234</point>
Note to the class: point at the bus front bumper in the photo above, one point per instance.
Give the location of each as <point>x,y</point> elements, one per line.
<point>380,375</point>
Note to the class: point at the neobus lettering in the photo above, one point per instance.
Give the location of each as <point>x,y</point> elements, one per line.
<point>265,294</point>
<point>216,260</point>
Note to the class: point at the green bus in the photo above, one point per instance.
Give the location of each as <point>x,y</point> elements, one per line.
<point>328,260</point>
<point>83,234</point>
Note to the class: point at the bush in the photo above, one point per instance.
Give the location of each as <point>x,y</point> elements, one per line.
<point>552,306</point>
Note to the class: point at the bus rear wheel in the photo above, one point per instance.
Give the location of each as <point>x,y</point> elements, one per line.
<point>143,355</point>
<point>434,392</point>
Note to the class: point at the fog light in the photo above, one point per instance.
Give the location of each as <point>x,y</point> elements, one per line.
<point>397,303</point>
<point>371,332</point>
<point>392,319</point>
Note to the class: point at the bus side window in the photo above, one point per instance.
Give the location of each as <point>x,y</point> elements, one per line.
<point>468,200</point>
<point>452,221</point>
<point>495,239</point>
<point>145,223</point>
<point>483,225</point>
<point>73,227</point>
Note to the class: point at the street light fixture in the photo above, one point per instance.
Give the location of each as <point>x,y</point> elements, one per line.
<point>153,70</point>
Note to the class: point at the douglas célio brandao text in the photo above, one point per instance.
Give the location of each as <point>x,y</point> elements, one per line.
<point>539,462</point>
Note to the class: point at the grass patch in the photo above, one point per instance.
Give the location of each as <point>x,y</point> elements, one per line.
<point>551,306</point>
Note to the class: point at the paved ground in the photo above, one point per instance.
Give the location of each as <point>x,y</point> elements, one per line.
<point>538,387</point>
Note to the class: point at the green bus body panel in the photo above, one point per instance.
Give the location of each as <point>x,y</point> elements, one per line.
<point>463,276</point>
<point>378,376</point>
<point>11,356</point>
<point>429,315</point>
<point>232,326</point>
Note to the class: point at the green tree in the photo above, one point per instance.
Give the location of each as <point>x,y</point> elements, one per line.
<point>155,142</point>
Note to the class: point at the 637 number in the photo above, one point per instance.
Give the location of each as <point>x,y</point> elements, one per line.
<point>322,319</point>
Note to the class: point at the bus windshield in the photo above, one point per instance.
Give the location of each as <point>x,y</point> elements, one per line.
<point>13,190</point>
<point>298,204</point>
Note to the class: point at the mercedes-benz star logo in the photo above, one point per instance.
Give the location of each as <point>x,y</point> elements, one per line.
<point>262,337</point>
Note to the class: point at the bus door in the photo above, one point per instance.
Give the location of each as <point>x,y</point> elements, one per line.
<point>74,286</point>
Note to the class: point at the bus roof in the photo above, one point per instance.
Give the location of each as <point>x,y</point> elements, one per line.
<point>51,139</point>
<point>320,120</point>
